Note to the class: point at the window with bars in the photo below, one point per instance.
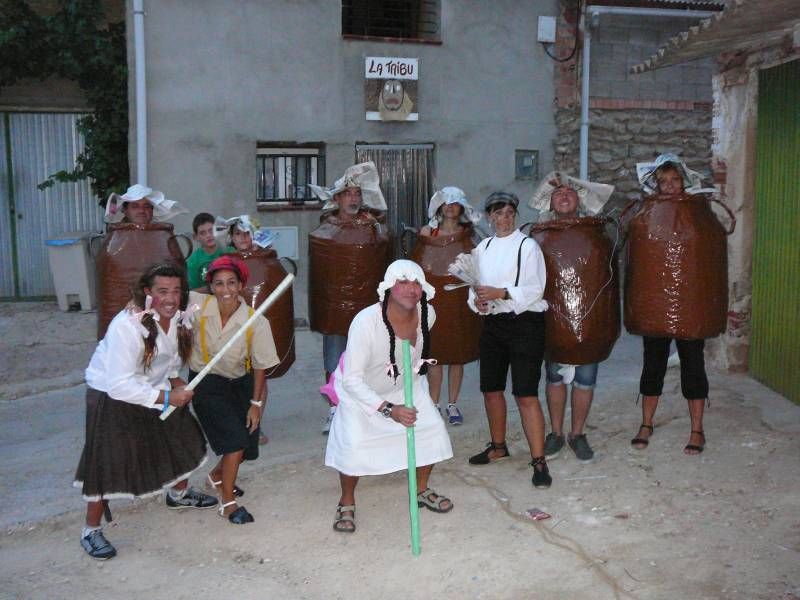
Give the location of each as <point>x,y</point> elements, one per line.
<point>284,172</point>
<point>401,19</point>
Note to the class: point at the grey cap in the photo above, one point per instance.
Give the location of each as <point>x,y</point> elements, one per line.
<point>500,198</point>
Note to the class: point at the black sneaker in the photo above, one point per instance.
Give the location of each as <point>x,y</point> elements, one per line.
<point>97,546</point>
<point>553,444</point>
<point>541,474</point>
<point>191,499</point>
<point>583,451</point>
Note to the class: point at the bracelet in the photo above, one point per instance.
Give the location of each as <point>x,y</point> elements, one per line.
<point>166,402</point>
<point>258,403</point>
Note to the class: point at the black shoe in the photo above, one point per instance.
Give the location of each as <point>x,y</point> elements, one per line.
<point>541,474</point>
<point>482,458</point>
<point>191,499</point>
<point>240,516</point>
<point>580,446</point>
<point>553,444</point>
<point>97,546</point>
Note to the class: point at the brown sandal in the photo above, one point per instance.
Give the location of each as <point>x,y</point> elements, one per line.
<point>341,519</point>
<point>643,442</point>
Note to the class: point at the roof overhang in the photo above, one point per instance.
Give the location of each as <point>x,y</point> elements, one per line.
<point>744,25</point>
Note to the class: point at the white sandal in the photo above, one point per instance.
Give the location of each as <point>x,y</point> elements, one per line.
<point>215,486</point>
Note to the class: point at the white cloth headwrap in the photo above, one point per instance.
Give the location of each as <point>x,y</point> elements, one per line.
<point>451,195</point>
<point>163,209</point>
<point>262,237</point>
<point>405,270</point>
<point>363,175</point>
<point>591,196</point>
<point>692,180</point>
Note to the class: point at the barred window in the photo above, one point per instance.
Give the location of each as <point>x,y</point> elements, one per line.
<point>400,19</point>
<point>284,172</point>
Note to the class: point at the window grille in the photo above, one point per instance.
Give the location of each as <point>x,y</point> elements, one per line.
<point>402,19</point>
<point>283,174</point>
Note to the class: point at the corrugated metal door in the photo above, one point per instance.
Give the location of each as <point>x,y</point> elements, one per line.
<point>407,182</point>
<point>6,237</point>
<point>41,144</point>
<point>775,340</point>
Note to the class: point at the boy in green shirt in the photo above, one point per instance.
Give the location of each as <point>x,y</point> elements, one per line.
<point>207,250</point>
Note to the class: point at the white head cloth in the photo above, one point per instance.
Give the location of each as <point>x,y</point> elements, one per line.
<point>451,195</point>
<point>405,270</point>
<point>163,209</point>
<point>692,180</point>
<point>591,196</point>
<point>262,237</point>
<point>364,176</point>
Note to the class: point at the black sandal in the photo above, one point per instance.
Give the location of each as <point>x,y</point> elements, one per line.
<point>694,447</point>
<point>643,442</point>
<point>482,458</point>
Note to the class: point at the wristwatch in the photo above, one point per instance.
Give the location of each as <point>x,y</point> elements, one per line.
<point>386,411</point>
<point>506,295</point>
<point>258,403</point>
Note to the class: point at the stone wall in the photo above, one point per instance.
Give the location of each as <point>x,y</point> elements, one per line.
<point>618,139</point>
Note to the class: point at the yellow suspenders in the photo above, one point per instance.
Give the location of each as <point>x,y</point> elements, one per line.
<point>204,347</point>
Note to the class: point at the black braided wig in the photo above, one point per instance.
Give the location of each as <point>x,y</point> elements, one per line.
<point>426,335</point>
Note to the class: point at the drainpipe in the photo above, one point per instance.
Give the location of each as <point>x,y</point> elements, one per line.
<point>591,19</point>
<point>141,92</point>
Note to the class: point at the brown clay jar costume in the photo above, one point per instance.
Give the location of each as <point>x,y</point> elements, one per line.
<point>347,260</point>
<point>266,272</point>
<point>582,322</point>
<point>455,340</point>
<point>127,250</point>
<point>676,283</point>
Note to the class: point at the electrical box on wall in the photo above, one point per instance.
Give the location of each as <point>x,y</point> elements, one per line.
<point>547,30</point>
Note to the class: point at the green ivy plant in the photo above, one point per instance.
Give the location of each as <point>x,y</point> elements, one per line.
<point>71,44</point>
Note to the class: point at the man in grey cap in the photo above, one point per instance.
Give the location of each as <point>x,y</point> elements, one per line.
<point>510,294</point>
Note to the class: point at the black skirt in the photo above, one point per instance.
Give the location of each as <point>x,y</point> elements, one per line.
<point>130,453</point>
<point>222,405</point>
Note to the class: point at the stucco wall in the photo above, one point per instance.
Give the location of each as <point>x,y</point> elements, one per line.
<point>222,76</point>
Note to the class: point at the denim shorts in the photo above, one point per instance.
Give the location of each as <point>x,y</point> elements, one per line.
<point>585,375</point>
<point>333,346</point>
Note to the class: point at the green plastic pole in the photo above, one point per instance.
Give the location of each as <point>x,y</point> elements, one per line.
<point>413,507</point>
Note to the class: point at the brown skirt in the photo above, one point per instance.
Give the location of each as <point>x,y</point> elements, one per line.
<point>131,453</point>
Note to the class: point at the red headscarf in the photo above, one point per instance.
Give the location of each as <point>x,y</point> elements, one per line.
<point>228,263</point>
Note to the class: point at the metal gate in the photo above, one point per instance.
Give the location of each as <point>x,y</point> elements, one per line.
<point>407,175</point>
<point>774,346</point>
<point>33,146</point>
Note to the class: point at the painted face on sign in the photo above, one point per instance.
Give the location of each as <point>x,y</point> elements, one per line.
<point>392,94</point>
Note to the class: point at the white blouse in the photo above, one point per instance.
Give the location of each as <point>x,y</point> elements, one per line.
<point>497,264</point>
<point>116,365</point>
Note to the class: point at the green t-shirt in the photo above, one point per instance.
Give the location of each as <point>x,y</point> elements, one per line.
<point>198,262</point>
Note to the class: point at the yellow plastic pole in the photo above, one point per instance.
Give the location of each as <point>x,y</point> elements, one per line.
<point>413,507</point>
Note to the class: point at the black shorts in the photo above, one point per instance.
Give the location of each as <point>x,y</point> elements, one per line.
<point>221,406</point>
<point>516,340</point>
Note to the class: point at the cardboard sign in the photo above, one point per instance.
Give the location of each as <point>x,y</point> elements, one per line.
<point>390,88</point>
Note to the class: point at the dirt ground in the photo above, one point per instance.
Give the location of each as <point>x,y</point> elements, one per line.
<point>631,524</point>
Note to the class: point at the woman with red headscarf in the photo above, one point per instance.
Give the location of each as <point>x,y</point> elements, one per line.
<point>225,399</point>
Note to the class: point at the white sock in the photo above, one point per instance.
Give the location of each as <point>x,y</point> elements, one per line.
<point>88,529</point>
<point>176,494</point>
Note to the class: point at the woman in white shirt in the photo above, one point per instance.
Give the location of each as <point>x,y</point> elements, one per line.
<point>133,377</point>
<point>512,277</point>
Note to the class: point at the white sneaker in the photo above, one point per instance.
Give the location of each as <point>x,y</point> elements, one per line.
<point>328,420</point>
